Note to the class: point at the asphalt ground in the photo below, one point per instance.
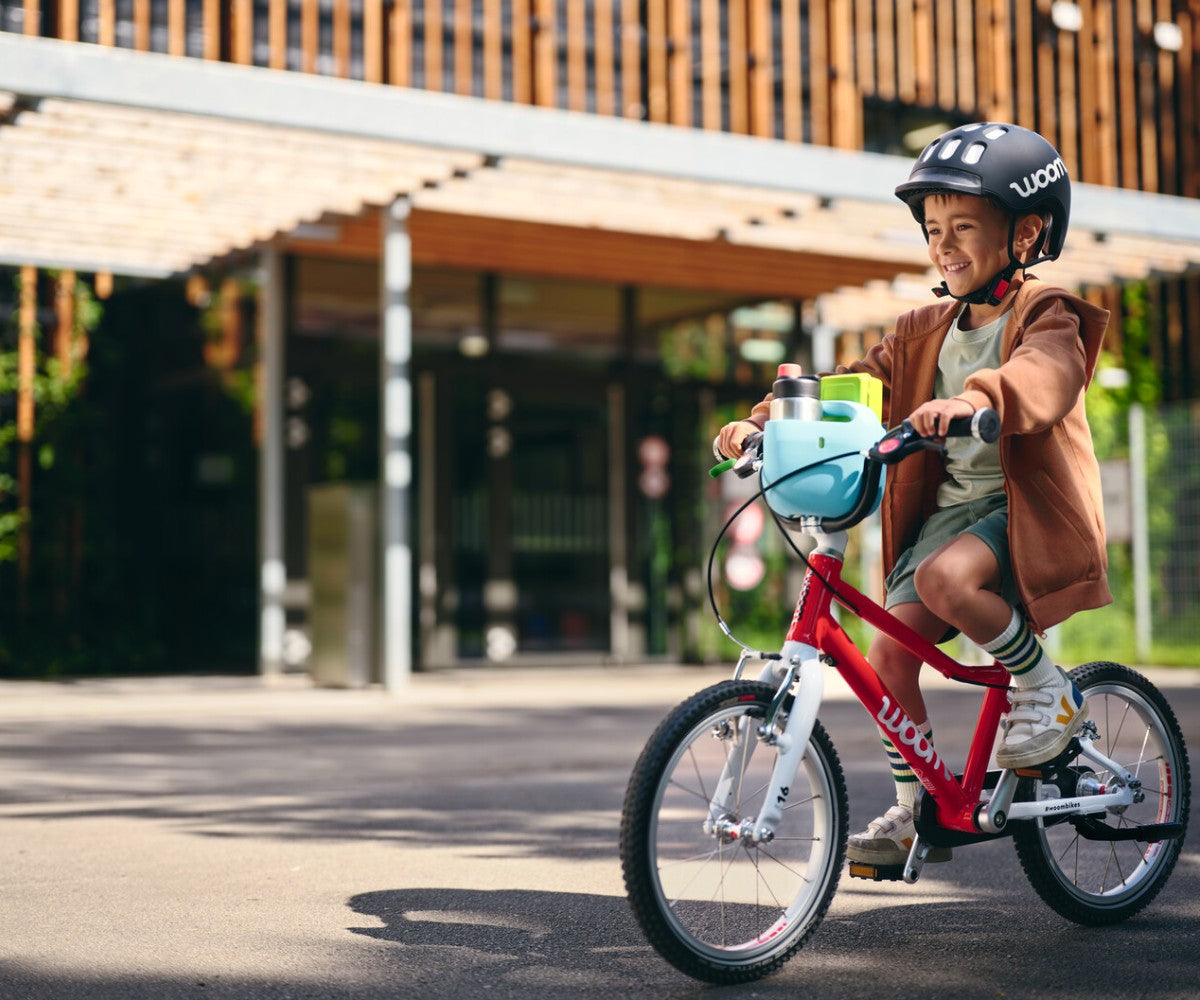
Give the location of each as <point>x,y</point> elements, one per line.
<point>217,837</point>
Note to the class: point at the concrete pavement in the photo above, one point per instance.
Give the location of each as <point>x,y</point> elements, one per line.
<point>205,837</point>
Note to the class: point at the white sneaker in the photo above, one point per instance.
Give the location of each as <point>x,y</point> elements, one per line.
<point>1040,723</point>
<point>887,839</point>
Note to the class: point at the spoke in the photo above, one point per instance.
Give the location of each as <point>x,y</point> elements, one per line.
<point>1112,862</point>
<point>721,891</point>
<point>1115,738</point>
<point>745,762</point>
<point>1073,842</point>
<point>760,789</point>
<point>814,797</point>
<point>762,880</point>
<point>672,783</point>
<point>1137,773</point>
<point>786,867</point>
<point>699,777</point>
<point>702,856</point>
<point>683,889</point>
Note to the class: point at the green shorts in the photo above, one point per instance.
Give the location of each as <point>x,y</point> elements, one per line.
<point>986,518</point>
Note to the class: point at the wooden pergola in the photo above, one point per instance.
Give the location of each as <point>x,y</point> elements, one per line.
<point>144,164</point>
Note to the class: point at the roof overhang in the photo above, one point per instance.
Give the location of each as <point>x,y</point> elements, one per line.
<point>152,165</point>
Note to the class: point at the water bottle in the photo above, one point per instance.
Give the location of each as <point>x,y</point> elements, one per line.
<point>796,396</point>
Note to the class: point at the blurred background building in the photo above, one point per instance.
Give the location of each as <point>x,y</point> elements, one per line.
<point>608,221</point>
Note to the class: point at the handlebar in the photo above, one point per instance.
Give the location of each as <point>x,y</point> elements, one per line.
<point>900,442</point>
<point>895,445</point>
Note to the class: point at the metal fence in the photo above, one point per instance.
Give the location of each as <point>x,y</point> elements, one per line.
<point>1150,460</point>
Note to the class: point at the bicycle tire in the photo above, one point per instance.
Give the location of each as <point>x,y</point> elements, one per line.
<point>721,909</point>
<point>1095,882</point>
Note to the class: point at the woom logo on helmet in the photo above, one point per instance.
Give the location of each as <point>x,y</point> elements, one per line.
<point>1040,178</point>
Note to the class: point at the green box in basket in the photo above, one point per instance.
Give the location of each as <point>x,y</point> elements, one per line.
<point>857,387</point>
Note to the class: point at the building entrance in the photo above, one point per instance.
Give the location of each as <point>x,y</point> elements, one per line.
<point>527,497</point>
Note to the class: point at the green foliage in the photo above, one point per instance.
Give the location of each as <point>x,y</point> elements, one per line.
<point>54,389</point>
<point>694,349</point>
<point>1109,633</point>
<point>141,558</point>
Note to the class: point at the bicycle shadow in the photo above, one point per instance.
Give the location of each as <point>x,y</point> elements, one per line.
<point>546,943</point>
<point>457,943</point>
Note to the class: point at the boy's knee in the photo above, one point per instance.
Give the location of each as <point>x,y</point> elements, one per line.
<point>943,588</point>
<point>931,583</point>
<point>886,655</point>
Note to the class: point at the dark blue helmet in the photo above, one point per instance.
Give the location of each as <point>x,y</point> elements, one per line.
<point>1012,165</point>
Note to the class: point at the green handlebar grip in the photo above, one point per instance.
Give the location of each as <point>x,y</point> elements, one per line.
<point>725,466</point>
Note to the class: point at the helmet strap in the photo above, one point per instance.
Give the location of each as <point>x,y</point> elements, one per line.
<point>992,293</point>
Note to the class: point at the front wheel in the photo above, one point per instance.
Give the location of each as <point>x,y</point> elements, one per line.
<point>713,902</point>
<point>1095,882</point>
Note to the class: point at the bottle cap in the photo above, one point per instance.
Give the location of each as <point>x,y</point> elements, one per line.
<point>790,370</point>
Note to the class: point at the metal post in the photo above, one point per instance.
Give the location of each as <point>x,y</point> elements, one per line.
<point>618,556</point>
<point>273,570</point>
<point>824,348</point>
<point>1142,629</point>
<point>395,447</point>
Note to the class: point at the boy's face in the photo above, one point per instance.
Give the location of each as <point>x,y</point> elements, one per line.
<point>968,240</point>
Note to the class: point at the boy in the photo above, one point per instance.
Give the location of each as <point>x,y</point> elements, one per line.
<point>996,541</point>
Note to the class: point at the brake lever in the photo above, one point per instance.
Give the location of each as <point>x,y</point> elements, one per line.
<point>902,441</point>
<point>748,464</point>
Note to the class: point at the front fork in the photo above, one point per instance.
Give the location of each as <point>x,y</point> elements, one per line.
<point>797,662</point>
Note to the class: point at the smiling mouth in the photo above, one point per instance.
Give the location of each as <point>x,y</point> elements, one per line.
<point>954,268</point>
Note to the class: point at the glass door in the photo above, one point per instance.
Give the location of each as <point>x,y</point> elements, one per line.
<point>530,513</point>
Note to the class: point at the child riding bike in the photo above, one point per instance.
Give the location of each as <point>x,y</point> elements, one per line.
<point>997,541</point>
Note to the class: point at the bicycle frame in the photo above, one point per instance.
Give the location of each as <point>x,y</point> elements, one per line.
<point>815,637</point>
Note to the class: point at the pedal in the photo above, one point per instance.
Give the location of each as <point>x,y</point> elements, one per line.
<point>875,873</point>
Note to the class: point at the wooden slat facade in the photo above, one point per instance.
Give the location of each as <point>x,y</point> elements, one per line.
<point>1121,108</point>
<point>1114,96</point>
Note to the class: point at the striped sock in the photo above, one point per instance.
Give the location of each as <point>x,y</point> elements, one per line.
<point>906,781</point>
<point>1018,651</point>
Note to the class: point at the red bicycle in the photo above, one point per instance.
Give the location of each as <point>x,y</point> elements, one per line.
<point>734,825</point>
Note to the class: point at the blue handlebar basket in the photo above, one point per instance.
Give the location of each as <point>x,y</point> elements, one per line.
<point>830,489</point>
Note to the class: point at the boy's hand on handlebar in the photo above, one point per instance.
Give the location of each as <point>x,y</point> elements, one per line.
<point>932,419</point>
<point>732,438</point>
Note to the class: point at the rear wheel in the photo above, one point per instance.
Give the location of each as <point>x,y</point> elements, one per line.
<point>712,902</point>
<point>1097,881</point>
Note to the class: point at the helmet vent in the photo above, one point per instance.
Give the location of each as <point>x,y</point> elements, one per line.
<point>974,152</point>
<point>929,150</point>
<point>948,149</point>
<point>995,132</point>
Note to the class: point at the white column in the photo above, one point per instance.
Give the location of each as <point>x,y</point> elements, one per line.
<point>618,556</point>
<point>272,569</point>
<point>396,598</point>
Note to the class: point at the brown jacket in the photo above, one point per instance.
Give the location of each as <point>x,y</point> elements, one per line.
<point>1056,515</point>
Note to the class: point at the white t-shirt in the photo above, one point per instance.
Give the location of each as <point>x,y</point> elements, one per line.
<point>972,466</point>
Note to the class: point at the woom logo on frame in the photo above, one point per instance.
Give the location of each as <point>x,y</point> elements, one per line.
<point>905,730</point>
